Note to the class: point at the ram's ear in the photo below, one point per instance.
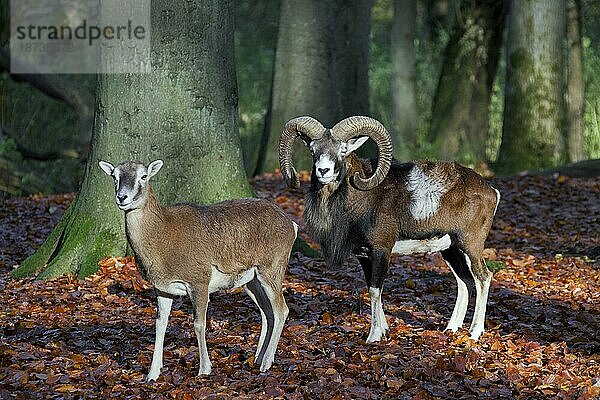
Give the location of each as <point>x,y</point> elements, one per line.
<point>306,140</point>
<point>107,167</point>
<point>154,167</point>
<point>355,143</point>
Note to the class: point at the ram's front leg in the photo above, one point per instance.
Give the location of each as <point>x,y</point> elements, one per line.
<point>375,267</point>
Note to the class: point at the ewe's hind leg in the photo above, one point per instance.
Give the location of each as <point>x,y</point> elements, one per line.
<point>164,302</point>
<point>458,265</point>
<point>257,293</point>
<point>273,290</point>
<point>200,301</point>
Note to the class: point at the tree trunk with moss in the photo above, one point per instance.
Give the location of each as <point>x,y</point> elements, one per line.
<point>183,112</point>
<point>404,79</point>
<point>575,84</point>
<point>532,135</point>
<point>320,69</point>
<point>460,118</point>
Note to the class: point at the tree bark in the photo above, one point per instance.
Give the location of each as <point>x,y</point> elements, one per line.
<point>460,117</point>
<point>320,67</point>
<point>404,92</point>
<point>532,135</point>
<point>184,112</point>
<point>575,85</point>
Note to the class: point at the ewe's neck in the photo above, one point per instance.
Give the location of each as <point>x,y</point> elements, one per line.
<point>145,219</point>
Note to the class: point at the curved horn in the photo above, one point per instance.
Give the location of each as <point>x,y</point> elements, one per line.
<point>307,126</point>
<point>358,125</point>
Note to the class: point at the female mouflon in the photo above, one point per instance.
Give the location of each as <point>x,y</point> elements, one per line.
<point>193,250</point>
<point>375,208</point>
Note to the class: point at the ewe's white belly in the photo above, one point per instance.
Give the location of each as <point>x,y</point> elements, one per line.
<point>422,246</point>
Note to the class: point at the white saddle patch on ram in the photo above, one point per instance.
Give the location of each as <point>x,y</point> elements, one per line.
<point>422,246</point>
<point>426,192</point>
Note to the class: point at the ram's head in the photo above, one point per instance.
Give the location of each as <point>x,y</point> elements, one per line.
<point>330,147</point>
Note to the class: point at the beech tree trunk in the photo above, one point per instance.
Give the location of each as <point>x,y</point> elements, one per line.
<point>460,118</point>
<point>183,112</point>
<point>575,85</point>
<point>320,68</point>
<point>404,92</point>
<point>532,135</point>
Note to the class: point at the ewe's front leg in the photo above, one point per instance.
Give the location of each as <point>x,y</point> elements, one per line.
<point>164,302</point>
<point>200,301</point>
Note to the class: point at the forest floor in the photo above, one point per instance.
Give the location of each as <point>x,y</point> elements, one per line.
<point>93,338</point>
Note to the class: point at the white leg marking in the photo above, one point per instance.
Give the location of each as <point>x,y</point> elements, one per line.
<point>482,289</point>
<point>460,307</point>
<point>263,326</point>
<point>205,364</point>
<point>478,324</point>
<point>164,309</point>
<point>295,228</point>
<point>280,313</point>
<point>379,325</point>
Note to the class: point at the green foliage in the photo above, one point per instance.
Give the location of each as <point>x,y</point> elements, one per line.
<point>40,124</point>
<point>255,42</point>
<point>495,266</point>
<point>8,150</point>
<point>429,57</point>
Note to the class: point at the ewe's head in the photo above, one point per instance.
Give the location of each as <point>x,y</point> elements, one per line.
<point>131,181</point>
<point>330,147</point>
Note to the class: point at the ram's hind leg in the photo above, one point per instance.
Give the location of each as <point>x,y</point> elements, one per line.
<point>457,262</point>
<point>483,278</point>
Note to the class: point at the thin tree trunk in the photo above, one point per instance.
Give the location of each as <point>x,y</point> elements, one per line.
<point>460,118</point>
<point>320,67</point>
<point>532,135</point>
<point>404,92</point>
<point>184,112</point>
<point>575,85</point>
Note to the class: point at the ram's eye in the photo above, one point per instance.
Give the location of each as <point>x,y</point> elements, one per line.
<point>144,177</point>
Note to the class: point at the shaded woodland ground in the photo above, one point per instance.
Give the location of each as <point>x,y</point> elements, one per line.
<point>93,338</point>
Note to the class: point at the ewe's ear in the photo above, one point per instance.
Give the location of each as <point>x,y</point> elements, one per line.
<point>355,143</point>
<point>107,167</point>
<point>154,167</point>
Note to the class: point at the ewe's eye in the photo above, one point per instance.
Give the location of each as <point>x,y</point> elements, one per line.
<point>144,177</point>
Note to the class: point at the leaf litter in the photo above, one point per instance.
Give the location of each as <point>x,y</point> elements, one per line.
<point>93,338</point>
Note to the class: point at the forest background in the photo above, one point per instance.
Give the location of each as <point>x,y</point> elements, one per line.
<point>421,67</point>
